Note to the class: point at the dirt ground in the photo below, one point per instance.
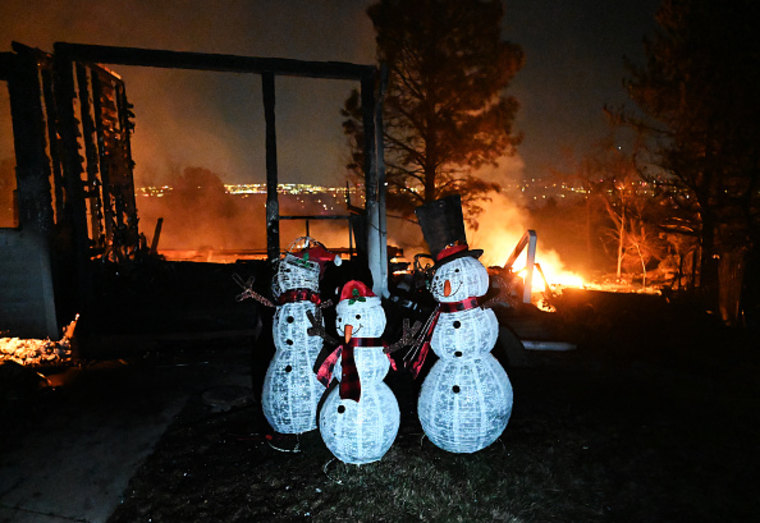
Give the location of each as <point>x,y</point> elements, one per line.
<point>655,417</point>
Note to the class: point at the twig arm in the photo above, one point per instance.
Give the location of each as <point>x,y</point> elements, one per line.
<point>317,329</point>
<point>407,336</point>
<point>248,291</point>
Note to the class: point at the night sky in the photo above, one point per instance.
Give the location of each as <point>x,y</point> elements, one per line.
<point>573,68</point>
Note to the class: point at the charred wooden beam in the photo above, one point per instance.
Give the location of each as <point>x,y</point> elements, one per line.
<point>92,192</point>
<point>156,236</point>
<point>273,203</point>
<point>211,62</point>
<point>268,68</point>
<point>75,211</point>
<point>112,117</point>
<point>315,217</point>
<point>374,255</point>
<point>28,121</point>
<point>381,184</point>
<point>7,61</point>
<point>27,295</point>
<point>46,74</point>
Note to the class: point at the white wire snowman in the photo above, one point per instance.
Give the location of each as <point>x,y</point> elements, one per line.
<point>360,418</point>
<point>466,399</point>
<point>291,393</point>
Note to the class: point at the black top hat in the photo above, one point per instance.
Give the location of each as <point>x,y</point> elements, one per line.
<point>442,226</point>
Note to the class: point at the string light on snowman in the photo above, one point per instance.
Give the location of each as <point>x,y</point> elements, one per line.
<point>360,418</point>
<point>466,399</point>
<point>291,393</point>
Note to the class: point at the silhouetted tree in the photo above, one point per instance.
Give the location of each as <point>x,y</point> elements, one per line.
<point>697,93</point>
<point>446,112</point>
<point>621,206</point>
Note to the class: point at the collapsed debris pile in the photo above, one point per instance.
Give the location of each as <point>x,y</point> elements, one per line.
<point>37,352</point>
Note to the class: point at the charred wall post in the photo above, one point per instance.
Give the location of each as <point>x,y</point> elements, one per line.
<point>370,183</point>
<point>273,204</point>
<point>74,210</point>
<point>268,68</point>
<point>53,196</point>
<point>381,185</point>
<point>27,301</point>
<point>32,167</point>
<point>91,157</point>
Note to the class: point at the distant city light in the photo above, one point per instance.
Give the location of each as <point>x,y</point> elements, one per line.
<point>261,188</point>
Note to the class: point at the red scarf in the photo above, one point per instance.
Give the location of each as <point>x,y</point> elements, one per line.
<point>294,295</point>
<point>350,387</point>
<point>419,352</point>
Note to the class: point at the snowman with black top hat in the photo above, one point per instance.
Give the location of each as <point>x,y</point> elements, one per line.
<point>466,399</point>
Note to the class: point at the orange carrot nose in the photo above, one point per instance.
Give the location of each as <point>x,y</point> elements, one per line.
<point>348,330</point>
<point>446,288</point>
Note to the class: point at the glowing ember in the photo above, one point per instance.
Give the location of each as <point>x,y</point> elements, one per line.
<point>502,226</point>
<point>33,352</point>
<point>497,249</point>
<point>555,272</point>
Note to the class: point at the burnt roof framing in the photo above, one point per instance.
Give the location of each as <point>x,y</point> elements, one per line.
<point>268,68</point>
<point>212,62</point>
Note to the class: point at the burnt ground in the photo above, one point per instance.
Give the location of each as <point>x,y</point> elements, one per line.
<point>655,417</point>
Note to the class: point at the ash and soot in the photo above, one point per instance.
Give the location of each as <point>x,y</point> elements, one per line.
<point>633,399</point>
<point>37,352</point>
<point>614,431</point>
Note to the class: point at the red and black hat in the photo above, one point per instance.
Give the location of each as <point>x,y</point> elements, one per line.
<point>442,226</point>
<point>321,255</point>
<point>310,254</point>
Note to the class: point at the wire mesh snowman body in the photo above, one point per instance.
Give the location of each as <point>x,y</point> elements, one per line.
<point>466,399</point>
<point>360,432</point>
<point>291,391</point>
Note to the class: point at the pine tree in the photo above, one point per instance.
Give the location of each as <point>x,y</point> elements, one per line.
<point>446,112</point>
<point>697,93</point>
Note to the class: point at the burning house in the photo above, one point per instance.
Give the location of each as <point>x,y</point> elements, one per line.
<point>73,200</point>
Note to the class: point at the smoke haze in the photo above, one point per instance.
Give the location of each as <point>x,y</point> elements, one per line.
<point>215,120</point>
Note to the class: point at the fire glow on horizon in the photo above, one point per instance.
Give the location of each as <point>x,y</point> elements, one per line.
<point>502,224</point>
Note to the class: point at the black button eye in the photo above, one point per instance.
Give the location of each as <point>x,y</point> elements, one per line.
<point>288,368</point>
<point>358,316</point>
<point>456,270</point>
<point>341,409</point>
<point>458,354</point>
<point>289,342</point>
<point>457,324</point>
<point>290,319</point>
<point>455,388</point>
<point>340,320</point>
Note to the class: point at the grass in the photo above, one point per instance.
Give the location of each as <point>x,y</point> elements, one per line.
<point>651,419</point>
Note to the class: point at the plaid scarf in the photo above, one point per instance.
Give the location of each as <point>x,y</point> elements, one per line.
<point>350,387</point>
<point>415,358</point>
<point>299,295</point>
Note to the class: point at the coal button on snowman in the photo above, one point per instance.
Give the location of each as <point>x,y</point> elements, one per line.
<point>291,392</point>
<point>466,399</point>
<point>360,418</point>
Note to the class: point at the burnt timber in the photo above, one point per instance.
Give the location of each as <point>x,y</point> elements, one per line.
<point>76,196</point>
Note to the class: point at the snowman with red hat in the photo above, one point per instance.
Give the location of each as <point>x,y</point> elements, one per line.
<point>466,399</point>
<point>291,393</point>
<point>360,418</point>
